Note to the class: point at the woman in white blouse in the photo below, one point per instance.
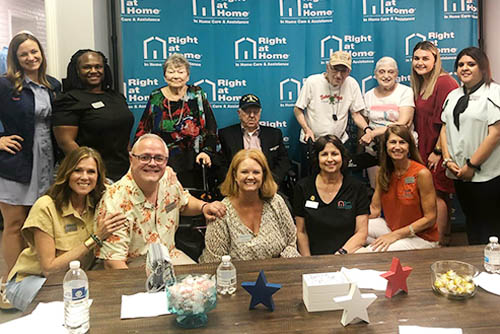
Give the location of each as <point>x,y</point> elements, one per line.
<point>258,224</point>
<point>471,144</point>
<point>388,103</point>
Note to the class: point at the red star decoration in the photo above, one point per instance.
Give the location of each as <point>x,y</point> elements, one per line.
<point>396,278</point>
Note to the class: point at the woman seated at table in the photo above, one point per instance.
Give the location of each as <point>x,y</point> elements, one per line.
<point>90,113</point>
<point>405,193</point>
<point>331,208</point>
<point>60,227</point>
<point>257,224</point>
<point>388,103</point>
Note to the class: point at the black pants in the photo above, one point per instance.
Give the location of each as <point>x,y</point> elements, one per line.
<point>480,202</point>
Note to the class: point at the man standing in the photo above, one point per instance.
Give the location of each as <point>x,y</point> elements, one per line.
<point>249,134</point>
<point>328,97</point>
<point>151,198</point>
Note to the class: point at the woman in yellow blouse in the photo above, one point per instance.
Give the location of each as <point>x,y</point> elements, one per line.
<point>60,227</point>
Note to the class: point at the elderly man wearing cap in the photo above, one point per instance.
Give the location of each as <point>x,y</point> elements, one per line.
<point>249,134</point>
<point>328,97</point>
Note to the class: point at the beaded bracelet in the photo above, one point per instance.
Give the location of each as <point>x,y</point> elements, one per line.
<point>96,239</point>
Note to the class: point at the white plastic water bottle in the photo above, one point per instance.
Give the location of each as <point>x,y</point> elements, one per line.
<point>492,256</point>
<point>226,276</point>
<point>76,299</point>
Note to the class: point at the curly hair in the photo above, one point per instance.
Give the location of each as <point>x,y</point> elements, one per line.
<point>60,191</point>
<point>268,188</point>
<point>73,81</point>
<point>15,72</point>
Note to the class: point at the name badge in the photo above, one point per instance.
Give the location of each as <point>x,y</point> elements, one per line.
<point>70,228</point>
<point>410,180</point>
<point>97,105</point>
<point>473,97</point>
<point>170,206</point>
<point>244,238</point>
<point>312,204</point>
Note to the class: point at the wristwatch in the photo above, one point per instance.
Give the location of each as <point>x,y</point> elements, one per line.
<point>445,162</point>
<point>342,251</point>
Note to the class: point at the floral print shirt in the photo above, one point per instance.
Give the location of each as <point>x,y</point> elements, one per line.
<point>147,223</point>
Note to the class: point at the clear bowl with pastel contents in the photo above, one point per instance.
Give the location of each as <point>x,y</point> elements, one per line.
<point>190,298</point>
<point>453,279</point>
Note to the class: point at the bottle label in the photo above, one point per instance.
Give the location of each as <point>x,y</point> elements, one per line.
<point>227,277</point>
<point>492,257</point>
<point>78,293</point>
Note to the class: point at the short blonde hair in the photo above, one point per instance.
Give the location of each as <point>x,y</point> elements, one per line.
<point>229,187</point>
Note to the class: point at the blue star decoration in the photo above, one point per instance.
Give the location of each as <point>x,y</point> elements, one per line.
<point>261,291</point>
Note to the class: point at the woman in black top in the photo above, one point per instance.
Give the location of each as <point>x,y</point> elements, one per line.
<point>90,113</point>
<point>331,208</point>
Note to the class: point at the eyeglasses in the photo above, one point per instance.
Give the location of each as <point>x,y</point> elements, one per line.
<point>339,68</point>
<point>146,158</point>
<point>250,111</point>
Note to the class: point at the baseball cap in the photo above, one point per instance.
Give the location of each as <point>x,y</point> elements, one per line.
<point>341,58</point>
<point>249,100</point>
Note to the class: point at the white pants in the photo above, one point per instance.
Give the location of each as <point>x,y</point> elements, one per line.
<point>378,227</point>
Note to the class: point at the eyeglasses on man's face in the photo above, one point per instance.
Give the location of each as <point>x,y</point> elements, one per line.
<point>146,158</point>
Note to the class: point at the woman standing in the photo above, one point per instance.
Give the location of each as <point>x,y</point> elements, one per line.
<point>90,113</point>
<point>60,227</point>
<point>431,84</point>
<point>182,116</point>
<point>26,148</point>
<point>257,224</point>
<point>331,208</point>
<point>405,193</point>
<point>471,144</point>
<point>388,103</point>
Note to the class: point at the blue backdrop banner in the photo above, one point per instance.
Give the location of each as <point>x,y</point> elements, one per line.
<point>269,47</point>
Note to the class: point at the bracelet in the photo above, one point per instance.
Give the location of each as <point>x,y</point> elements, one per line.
<point>445,162</point>
<point>342,251</point>
<point>206,203</point>
<point>476,167</point>
<point>437,151</point>
<point>89,243</point>
<point>412,231</point>
<point>96,239</point>
<point>367,127</point>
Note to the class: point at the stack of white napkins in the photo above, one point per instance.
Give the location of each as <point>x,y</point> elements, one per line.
<point>489,282</point>
<point>318,290</point>
<point>144,305</point>
<point>46,318</point>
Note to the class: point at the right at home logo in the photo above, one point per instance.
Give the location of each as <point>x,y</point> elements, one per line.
<point>388,10</point>
<point>305,11</point>
<point>223,93</point>
<point>460,9</point>
<point>157,49</point>
<point>217,12</point>
<point>443,40</point>
<point>359,46</point>
<point>261,51</point>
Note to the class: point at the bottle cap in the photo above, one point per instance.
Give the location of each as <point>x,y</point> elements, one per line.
<point>74,265</point>
<point>493,239</point>
<point>226,258</point>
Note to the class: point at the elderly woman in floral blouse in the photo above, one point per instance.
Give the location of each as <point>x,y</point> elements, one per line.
<point>258,224</point>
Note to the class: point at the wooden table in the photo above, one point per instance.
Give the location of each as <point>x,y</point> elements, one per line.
<point>480,314</point>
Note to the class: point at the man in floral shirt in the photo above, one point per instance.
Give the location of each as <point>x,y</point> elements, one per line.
<point>151,198</point>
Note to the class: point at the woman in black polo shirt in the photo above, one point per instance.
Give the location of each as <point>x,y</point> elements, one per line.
<point>331,208</point>
<point>90,113</point>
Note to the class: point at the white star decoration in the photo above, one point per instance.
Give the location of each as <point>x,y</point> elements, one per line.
<point>355,305</point>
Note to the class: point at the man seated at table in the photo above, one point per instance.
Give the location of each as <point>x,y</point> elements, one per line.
<point>249,134</point>
<point>151,198</point>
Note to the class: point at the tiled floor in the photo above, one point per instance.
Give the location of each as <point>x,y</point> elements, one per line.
<point>458,239</point>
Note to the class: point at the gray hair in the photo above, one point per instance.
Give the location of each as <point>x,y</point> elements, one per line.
<point>149,136</point>
<point>386,61</point>
<point>176,60</point>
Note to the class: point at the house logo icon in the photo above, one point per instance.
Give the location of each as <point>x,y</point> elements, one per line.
<point>209,88</point>
<point>287,8</point>
<point>155,48</point>
<point>289,89</point>
<point>245,48</point>
<point>329,45</point>
<point>201,7</point>
<point>410,42</point>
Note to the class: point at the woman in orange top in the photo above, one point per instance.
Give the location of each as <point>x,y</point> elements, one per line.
<point>405,194</point>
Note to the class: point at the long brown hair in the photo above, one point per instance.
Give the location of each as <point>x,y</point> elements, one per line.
<point>417,80</point>
<point>60,190</point>
<point>386,164</point>
<point>15,72</point>
<point>481,59</point>
<point>230,188</point>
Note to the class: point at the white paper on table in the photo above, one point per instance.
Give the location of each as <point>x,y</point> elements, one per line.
<point>489,282</point>
<point>366,279</point>
<point>428,330</point>
<point>144,305</point>
<point>45,318</point>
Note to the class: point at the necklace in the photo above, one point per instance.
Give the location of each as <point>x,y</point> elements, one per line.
<point>333,99</point>
<point>170,113</point>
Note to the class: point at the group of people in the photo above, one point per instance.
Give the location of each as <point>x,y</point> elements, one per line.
<point>110,200</point>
